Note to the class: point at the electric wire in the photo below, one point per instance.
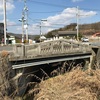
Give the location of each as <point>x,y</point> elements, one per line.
<point>52,4</point>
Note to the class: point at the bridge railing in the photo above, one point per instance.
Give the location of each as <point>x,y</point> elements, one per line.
<point>45,48</point>
<point>54,47</point>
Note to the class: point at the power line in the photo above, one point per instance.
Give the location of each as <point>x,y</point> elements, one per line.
<point>14,25</point>
<point>57,24</point>
<point>46,12</point>
<point>88,9</point>
<point>34,20</point>
<point>55,5</point>
<point>47,4</point>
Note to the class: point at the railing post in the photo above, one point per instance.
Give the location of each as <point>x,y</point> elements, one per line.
<point>62,49</point>
<point>80,47</point>
<point>14,49</point>
<point>39,45</point>
<point>19,50</point>
<point>51,48</point>
<point>23,50</point>
<point>71,46</point>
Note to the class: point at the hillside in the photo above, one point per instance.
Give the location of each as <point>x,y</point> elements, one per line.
<point>84,29</point>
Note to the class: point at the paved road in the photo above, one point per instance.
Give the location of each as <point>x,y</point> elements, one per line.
<point>95,43</point>
<point>8,48</point>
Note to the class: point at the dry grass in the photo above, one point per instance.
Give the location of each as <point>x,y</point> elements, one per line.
<point>6,84</point>
<point>75,85</point>
<point>4,53</point>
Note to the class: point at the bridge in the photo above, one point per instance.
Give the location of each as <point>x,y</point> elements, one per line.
<point>30,58</point>
<point>46,52</point>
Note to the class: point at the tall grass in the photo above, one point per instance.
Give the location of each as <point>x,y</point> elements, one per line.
<point>77,84</point>
<point>74,85</point>
<point>8,89</point>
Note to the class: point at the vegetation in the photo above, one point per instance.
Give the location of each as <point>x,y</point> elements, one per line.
<point>76,84</point>
<point>84,29</point>
<point>8,89</point>
<point>18,41</point>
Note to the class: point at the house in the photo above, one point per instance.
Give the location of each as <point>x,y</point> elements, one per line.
<point>65,34</point>
<point>95,36</point>
<point>18,37</point>
<point>42,38</point>
<point>14,38</point>
<point>11,39</point>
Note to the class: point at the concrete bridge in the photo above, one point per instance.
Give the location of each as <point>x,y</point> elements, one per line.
<point>46,52</point>
<point>31,58</point>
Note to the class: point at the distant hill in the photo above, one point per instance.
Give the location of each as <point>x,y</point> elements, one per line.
<point>19,36</point>
<point>90,29</point>
<point>84,29</point>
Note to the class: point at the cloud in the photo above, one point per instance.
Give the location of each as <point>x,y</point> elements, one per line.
<point>84,14</point>
<point>1,7</point>
<point>67,16</point>
<point>76,0</point>
<point>9,6</point>
<point>11,23</point>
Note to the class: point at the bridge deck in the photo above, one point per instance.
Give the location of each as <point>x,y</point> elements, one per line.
<point>50,59</point>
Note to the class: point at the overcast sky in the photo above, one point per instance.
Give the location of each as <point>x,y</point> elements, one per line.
<point>58,13</point>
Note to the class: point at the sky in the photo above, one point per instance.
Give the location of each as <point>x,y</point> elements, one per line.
<point>55,13</point>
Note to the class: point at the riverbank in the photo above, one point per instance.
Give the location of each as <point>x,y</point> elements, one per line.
<point>78,84</point>
<point>74,85</point>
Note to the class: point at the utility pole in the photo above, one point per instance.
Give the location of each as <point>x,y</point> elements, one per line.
<point>22,20</point>
<point>5,24</point>
<point>42,20</point>
<point>26,17</point>
<point>77,15</point>
<point>40,32</point>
